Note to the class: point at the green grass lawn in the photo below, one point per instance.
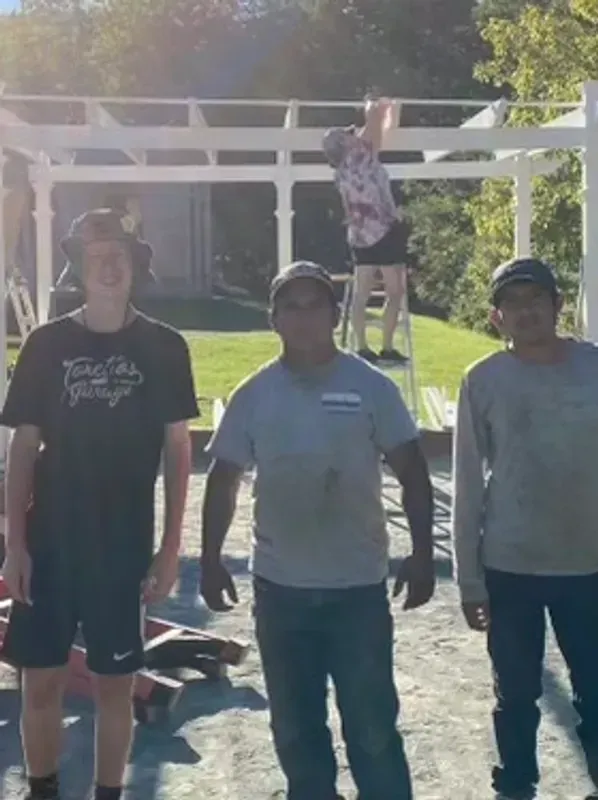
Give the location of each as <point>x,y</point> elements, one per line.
<point>222,359</point>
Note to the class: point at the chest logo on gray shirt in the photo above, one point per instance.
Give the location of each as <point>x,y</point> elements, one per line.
<point>341,402</point>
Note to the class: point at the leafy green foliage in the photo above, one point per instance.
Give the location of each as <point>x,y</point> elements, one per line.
<point>546,53</point>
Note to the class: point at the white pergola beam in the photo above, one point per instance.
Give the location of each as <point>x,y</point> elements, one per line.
<point>73,137</point>
<point>545,165</point>
<point>260,173</point>
<point>96,114</point>
<point>55,153</point>
<point>490,117</point>
<point>572,119</point>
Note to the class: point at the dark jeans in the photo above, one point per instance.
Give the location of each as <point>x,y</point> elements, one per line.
<point>516,640</point>
<point>304,637</point>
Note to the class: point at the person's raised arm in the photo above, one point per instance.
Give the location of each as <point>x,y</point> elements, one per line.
<point>378,120</point>
<point>468,502</point>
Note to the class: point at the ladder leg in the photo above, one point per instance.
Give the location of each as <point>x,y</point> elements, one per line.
<point>346,312</point>
<point>408,381</point>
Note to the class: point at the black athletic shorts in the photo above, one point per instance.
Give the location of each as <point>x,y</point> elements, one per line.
<point>106,607</point>
<point>391,250</point>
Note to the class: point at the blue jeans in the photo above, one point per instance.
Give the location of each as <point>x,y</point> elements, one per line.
<point>306,636</point>
<point>516,639</point>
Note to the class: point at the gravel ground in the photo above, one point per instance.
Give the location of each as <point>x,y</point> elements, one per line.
<point>218,746</point>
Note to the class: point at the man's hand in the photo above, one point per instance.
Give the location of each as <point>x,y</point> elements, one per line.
<point>477,616</point>
<point>216,581</point>
<point>161,576</point>
<point>16,572</point>
<point>417,573</point>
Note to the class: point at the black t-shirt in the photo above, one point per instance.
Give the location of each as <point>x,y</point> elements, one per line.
<point>101,402</point>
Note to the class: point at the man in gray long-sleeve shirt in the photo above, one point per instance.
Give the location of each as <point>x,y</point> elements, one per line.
<point>525,521</point>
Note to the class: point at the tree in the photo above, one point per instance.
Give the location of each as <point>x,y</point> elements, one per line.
<point>45,48</point>
<point>442,239</point>
<point>543,55</point>
<point>156,47</point>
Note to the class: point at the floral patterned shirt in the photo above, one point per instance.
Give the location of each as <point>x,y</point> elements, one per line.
<point>364,186</point>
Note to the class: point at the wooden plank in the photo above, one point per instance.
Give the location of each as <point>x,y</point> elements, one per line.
<point>232,652</point>
<point>162,638</point>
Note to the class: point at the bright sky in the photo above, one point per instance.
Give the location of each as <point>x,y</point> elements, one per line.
<point>8,5</point>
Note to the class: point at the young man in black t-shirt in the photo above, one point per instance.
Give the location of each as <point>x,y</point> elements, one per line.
<point>96,399</point>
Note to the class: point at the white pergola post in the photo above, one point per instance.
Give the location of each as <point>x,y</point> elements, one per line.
<point>590,211</point>
<point>284,216</point>
<point>284,194</point>
<point>43,244</point>
<point>523,206</point>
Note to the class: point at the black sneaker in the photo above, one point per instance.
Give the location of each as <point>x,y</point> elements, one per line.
<point>368,355</point>
<point>393,356</point>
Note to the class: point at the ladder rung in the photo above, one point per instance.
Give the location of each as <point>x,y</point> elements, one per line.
<point>18,290</point>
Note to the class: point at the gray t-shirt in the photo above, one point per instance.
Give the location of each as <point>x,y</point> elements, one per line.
<point>526,468</point>
<point>316,442</point>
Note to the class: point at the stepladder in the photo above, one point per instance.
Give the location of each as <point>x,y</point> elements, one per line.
<point>405,373</point>
<point>18,290</point>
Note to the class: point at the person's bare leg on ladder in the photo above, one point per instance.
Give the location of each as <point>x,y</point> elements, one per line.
<point>394,285</point>
<point>363,283</point>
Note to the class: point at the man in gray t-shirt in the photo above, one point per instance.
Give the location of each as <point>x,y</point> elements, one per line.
<point>525,525</point>
<point>315,424</point>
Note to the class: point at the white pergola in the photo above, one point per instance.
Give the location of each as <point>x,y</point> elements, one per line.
<point>517,153</point>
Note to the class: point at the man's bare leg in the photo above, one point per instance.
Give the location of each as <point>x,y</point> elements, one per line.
<point>41,727</point>
<point>363,282</point>
<point>394,285</point>
<point>114,732</point>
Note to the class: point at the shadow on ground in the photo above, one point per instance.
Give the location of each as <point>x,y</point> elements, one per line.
<point>154,747</point>
<point>557,702</point>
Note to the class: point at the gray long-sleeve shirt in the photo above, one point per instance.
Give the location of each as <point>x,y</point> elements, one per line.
<point>525,468</point>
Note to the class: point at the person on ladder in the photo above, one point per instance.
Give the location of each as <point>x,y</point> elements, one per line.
<point>375,227</point>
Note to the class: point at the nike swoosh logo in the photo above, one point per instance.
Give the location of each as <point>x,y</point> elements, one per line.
<point>122,656</point>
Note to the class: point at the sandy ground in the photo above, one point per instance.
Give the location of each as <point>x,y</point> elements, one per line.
<point>218,746</point>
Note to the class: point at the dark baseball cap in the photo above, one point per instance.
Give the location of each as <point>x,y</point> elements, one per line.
<point>297,270</point>
<point>523,270</point>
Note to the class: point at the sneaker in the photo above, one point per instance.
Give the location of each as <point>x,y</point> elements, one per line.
<point>393,356</point>
<point>368,355</point>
